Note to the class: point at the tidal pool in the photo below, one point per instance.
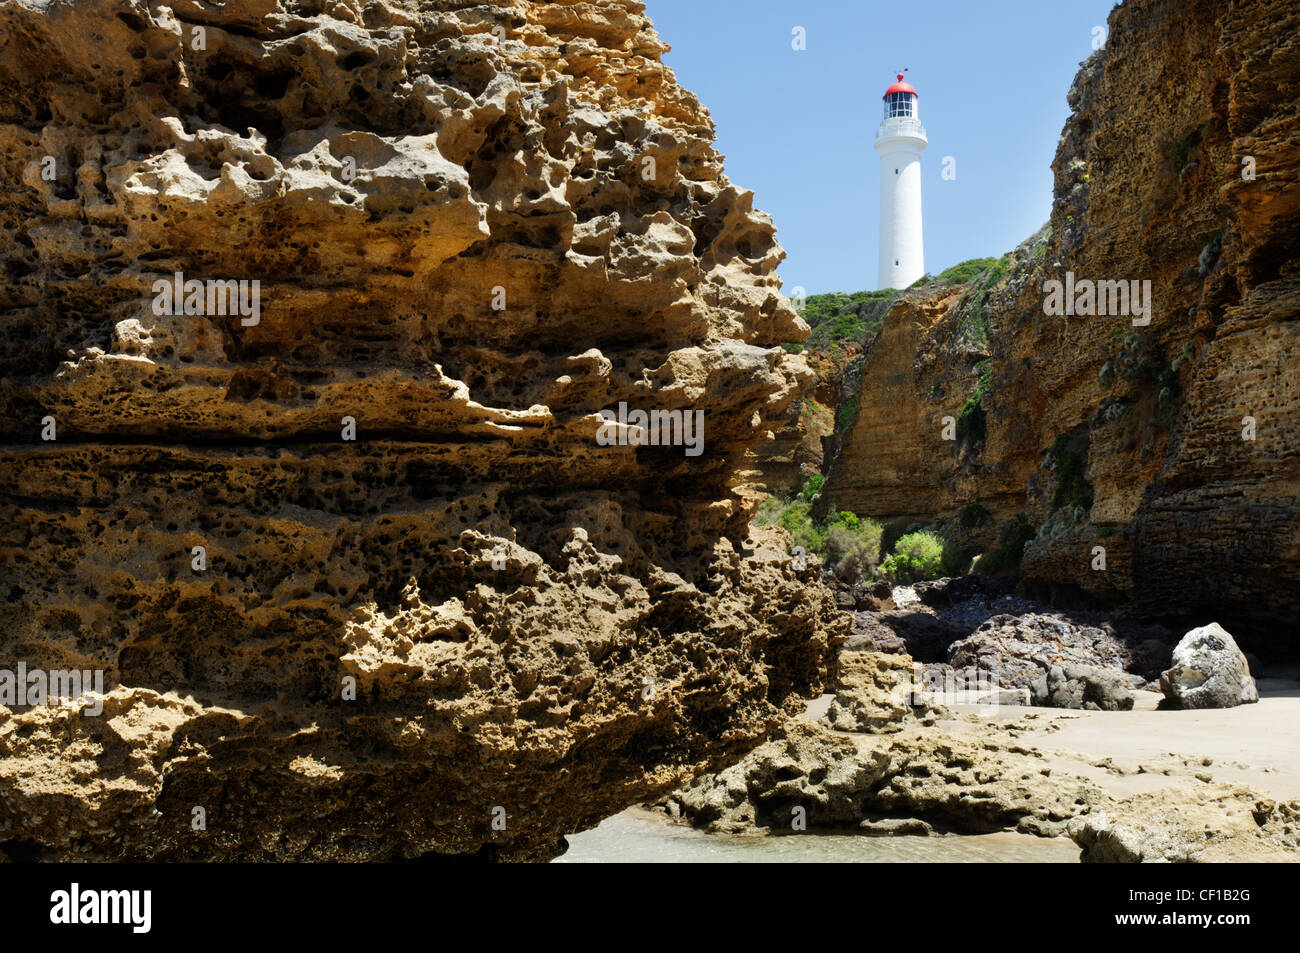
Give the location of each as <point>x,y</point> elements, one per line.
<point>638,836</point>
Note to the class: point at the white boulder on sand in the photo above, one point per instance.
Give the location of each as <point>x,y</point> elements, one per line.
<point>1208,671</point>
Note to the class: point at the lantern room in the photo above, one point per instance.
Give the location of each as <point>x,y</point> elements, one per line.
<point>900,100</point>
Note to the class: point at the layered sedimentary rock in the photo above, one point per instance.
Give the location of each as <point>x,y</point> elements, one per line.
<point>1173,445</point>
<point>807,438</point>
<point>796,452</point>
<point>901,459</point>
<point>366,572</point>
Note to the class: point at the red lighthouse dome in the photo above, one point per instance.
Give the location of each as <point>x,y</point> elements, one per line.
<point>901,87</point>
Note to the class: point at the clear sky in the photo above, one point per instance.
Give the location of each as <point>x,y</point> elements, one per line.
<point>797,126</point>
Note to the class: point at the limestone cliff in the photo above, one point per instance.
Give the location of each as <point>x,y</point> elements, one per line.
<point>1180,166</point>
<point>361,578</point>
<point>795,452</point>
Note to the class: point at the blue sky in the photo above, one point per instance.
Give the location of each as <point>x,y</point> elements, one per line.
<point>797,127</point>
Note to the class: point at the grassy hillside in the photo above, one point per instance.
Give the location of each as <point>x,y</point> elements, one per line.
<point>840,318</point>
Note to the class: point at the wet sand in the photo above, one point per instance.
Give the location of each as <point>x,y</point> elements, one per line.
<point>641,836</point>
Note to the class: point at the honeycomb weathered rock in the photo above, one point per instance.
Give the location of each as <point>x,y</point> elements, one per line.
<point>474,228</point>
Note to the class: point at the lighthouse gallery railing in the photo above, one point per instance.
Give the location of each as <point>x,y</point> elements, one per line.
<point>904,127</point>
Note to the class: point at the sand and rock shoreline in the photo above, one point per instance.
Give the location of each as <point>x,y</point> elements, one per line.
<point>1143,783</point>
<point>362,579</point>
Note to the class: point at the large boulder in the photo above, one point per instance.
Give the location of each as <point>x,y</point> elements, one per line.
<point>1208,671</point>
<point>1021,651</point>
<point>1084,686</point>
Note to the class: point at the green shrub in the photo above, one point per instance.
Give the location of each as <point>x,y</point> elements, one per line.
<point>848,519</point>
<point>769,511</point>
<point>812,488</point>
<point>853,548</point>
<point>972,515</point>
<point>916,556</point>
<point>796,518</point>
<point>1072,486</point>
<point>848,546</point>
<point>963,273</point>
<point>1012,537</point>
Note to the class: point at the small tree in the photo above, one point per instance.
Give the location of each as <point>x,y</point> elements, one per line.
<point>916,556</point>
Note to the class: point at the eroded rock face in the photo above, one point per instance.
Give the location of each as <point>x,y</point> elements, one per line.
<point>828,779</point>
<point>895,464</point>
<point>1231,827</point>
<point>874,692</point>
<point>473,229</point>
<point>1064,662</point>
<point>795,453</point>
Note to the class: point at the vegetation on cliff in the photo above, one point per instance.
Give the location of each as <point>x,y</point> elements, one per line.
<point>854,549</point>
<point>847,546</point>
<point>838,319</point>
<point>841,319</point>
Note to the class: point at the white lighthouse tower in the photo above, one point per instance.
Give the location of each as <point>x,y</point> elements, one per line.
<point>900,140</point>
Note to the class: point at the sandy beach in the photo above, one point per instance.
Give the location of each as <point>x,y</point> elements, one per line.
<point>1134,752</point>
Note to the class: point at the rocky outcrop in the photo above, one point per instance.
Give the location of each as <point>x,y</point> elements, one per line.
<point>1173,446</point>
<point>841,781</point>
<point>366,572</point>
<point>971,637</point>
<point>1083,686</point>
<point>1065,662</point>
<point>976,776</point>
<point>874,692</point>
<point>1235,827</point>
<point>895,463</point>
<point>1208,671</point>
<point>795,452</point>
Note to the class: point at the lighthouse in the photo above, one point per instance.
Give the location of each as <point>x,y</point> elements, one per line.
<point>900,140</point>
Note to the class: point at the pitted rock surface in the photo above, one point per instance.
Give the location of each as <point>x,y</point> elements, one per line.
<point>473,228</point>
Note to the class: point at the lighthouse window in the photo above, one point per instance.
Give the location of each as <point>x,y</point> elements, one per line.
<point>895,172</point>
<point>898,104</point>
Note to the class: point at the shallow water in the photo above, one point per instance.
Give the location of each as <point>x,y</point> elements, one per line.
<point>636,836</point>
